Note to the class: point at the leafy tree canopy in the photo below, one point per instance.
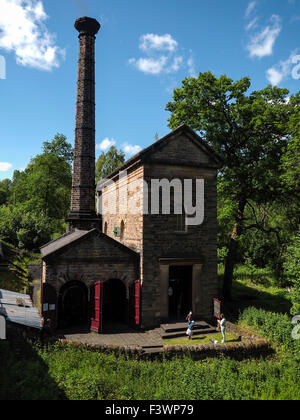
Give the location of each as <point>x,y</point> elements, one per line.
<point>108,162</point>
<point>250,131</point>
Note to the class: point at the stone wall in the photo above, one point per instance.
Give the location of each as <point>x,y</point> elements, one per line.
<point>125,190</point>
<point>88,261</point>
<point>160,239</point>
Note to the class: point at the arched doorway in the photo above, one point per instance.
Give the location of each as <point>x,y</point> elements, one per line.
<point>115,303</point>
<point>73,304</point>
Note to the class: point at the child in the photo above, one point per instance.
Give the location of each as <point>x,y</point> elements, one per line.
<point>189,317</point>
<point>189,331</point>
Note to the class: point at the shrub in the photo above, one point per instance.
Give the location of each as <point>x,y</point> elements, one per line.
<point>274,326</point>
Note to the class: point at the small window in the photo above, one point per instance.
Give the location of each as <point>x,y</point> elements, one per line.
<point>105,228</point>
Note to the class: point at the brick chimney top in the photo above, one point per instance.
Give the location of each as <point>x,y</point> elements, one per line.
<point>87,26</point>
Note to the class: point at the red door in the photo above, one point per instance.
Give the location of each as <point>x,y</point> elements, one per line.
<point>97,315</point>
<point>135,303</point>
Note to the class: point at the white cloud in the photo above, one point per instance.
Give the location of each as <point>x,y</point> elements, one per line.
<point>131,150</point>
<point>150,65</point>
<point>160,53</point>
<point>250,9</point>
<point>23,31</point>
<point>106,144</point>
<point>281,71</point>
<point>191,65</point>
<point>5,166</point>
<point>157,42</point>
<point>252,24</point>
<point>175,66</point>
<point>262,44</point>
<point>274,76</point>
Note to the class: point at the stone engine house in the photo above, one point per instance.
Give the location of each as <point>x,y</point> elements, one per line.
<point>130,261</point>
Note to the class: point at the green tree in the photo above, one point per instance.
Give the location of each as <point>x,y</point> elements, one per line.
<point>292,272</point>
<point>250,131</point>
<point>59,147</point>
<point>24,229</point>
<point>108,162</point>
<point>5,190</point>
<point>45,185</point>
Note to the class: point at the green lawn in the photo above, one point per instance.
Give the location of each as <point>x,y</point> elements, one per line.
<point>255,289</point>
<point>204,339</point>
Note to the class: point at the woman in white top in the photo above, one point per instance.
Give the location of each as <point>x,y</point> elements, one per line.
<point>222,323</point>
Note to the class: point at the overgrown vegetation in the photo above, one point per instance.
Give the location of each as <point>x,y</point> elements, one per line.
<point>63,371</point>
<point>274,326</point>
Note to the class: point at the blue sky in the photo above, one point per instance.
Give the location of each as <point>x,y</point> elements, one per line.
<point>143,51</point>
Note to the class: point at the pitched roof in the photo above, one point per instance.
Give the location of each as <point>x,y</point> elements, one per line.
<point>62,241</point>
<point>75,236</point>
<point>183,129</point>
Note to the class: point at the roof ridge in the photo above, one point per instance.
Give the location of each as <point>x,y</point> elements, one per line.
<point>143,152</point>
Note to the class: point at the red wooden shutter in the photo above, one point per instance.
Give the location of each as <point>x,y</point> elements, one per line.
<point>137,302</point>
<point>97,319</point>
<point>49,304</point>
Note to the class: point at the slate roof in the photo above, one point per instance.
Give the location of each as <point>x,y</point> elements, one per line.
<point>62,241</point>
<point>76,235</point>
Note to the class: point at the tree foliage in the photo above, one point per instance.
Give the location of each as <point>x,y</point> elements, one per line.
<point>292,271</point>
<point>250,131</point>
<point>108,162</point>
<point>37,199</point>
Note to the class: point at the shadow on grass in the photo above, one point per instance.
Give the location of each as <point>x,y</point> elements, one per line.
<point>23,373</point>
<point>244,296</point>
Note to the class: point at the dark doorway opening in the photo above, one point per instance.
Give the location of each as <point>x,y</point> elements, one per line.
<point>73,304</point>
<point>180,291</point>
<point>115,304</point>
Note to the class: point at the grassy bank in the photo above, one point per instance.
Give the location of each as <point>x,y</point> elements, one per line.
<point>66,372</point>
<point>29,371</point>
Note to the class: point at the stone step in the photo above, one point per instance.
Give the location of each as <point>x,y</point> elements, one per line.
<point>177,334</point>
<point>153,350</point>
<point>152,346</point>
<point>182,326</point>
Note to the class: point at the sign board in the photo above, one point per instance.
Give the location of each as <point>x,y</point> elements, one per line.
<point>217,308</point>
<point>2,328</point>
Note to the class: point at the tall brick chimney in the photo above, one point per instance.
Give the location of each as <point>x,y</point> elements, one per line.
<point>83,214</point>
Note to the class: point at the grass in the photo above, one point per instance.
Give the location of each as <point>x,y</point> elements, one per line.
<point>64,371</point>
<point>230,338</point>
<point>257,290</point>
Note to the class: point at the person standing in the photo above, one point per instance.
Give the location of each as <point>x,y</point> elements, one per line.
<point>189,331</point>
<point>189,317</point>
<point>222,323</point>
